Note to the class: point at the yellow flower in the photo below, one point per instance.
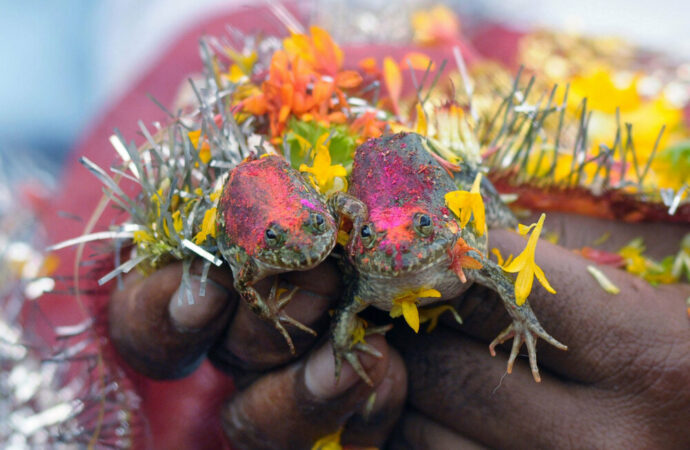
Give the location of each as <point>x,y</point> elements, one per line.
<point>359,333</point>
<point>421,127</point>
<point>177,224</point>
<point>525,265</point>
<point>465,204</point>
<point>406,305</point>
<point>436,26</point>
<point>329,442</point>
<point>604,91</point>
<point>241,70</point>
<point>204,149</point>
<point>635,262</point>
<point>499,257</point>
<point>343,237</point>
<point>143,236</point>
<point>322,173</point>
<point>208,226</point>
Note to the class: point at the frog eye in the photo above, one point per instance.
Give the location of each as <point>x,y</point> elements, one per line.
<point>272,236</point>
<point>423,225</point>
<point>367,236</point>
<point>317,221</point>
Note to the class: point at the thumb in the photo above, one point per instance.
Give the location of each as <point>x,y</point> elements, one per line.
<point>298,405</point>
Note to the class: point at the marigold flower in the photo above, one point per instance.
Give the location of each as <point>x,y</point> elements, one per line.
<point>305,80</point>
<point>526,267</point>
<point>406,305</point>
<point>466,204</point>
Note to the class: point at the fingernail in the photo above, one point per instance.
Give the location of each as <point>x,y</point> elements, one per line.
<point>191,316</point>
<point>319,373</point>
<point>382,395</point>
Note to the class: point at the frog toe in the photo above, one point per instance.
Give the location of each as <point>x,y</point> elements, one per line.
<point>366,348</point>
<point>523,333</point>
<point>352,358</point>
<point>284,318</point>
<point>281,329</point>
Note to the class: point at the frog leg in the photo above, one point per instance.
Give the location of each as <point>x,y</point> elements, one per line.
<point>525,327</point>
<point>269,311</point>
<point>345,205</point>
<point>281,301</point>
<point>343,328</point>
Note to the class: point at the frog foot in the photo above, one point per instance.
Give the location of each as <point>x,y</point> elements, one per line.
<point>528,333</point>
<point>345,349</point>
<point>278,317</point>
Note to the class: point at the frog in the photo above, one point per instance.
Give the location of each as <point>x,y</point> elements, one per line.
<point>271,220</point>
<point>405,239</point>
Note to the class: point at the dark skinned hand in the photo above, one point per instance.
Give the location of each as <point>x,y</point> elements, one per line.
<point>622,383</point>
<point>283,401</point>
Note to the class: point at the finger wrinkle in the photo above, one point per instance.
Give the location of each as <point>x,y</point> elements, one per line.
<point>455,382</point>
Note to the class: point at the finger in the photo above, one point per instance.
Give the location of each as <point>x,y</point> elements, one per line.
<point>577,231</point>
<point>455,383</point>
<point>371,425</point>
<point>252,344</point>
<point>418,431</point>
<point>603,332</point>
<point>296,406</point>
<point>157,331</point>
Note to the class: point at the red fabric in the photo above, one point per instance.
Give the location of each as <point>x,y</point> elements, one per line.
<point>499,43</point>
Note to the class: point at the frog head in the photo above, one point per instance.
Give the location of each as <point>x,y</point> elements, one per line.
<point>268,210</point>
<point>409,226</point>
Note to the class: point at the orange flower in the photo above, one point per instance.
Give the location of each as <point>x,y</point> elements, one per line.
<point>461,260</point>
<point>304,80</point>
<point>368,126</point>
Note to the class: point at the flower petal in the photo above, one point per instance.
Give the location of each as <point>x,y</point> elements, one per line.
<point>348,79</point>
<point>428,293</point>
<point>418,61</point>
<point>411,314</point>
<point>603,280</point>
<point>542,279</point>
<point>517,264</point>
<point>479,215</point>
<point>393,80</point>
<point>523,285</point>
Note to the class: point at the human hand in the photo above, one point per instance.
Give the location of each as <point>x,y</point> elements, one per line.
<point>623,382</point>
<point>282,400</point>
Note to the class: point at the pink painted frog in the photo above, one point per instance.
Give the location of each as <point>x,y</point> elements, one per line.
<point>271,220</point>
<point>410,241</point>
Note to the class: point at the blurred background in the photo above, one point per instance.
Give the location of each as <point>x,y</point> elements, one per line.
<point>64,61</point>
